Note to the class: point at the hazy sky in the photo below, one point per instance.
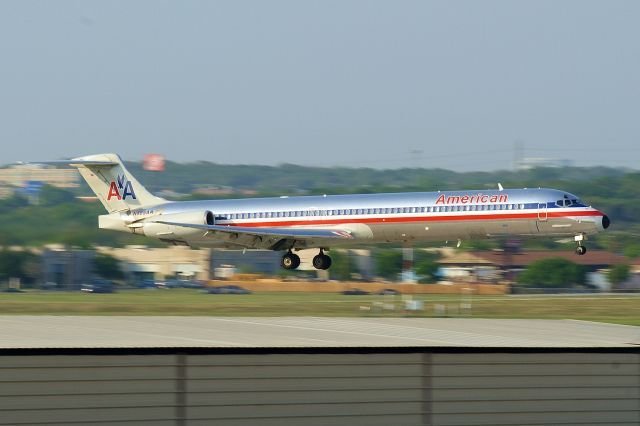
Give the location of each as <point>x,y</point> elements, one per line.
<point>355,83</point>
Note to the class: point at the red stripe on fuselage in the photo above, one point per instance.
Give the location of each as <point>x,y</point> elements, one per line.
<point>398,219</point>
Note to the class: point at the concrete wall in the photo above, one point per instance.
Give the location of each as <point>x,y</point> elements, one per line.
<point>320,387</point>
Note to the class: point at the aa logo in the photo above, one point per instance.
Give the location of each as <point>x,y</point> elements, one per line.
<point>121,189</point>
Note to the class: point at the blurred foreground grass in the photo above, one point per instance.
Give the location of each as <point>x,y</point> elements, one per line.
<point>621,309</point>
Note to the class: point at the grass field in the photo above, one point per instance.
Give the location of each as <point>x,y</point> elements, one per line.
<point>621,309</point>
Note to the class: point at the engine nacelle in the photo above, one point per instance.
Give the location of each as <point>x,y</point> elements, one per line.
<point>151,228</point>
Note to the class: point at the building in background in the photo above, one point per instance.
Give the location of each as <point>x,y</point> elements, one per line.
<point>141,263</point>
<point>494,266</point>
<point>153,162</point>
<point>66,268</point>
<point>19,175</point>
<point>6,191</point>
<point>225,263</point>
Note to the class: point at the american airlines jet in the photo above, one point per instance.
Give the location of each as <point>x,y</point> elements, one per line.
<point>289,224</point>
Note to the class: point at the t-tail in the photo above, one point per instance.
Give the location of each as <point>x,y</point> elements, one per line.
<point>114,186</point>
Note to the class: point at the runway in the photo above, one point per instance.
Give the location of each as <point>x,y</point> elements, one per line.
<point>280,332</point>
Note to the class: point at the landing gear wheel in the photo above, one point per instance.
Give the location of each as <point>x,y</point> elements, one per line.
<point>322,261</point>
<point>290,261</point>
<point>580,250</point>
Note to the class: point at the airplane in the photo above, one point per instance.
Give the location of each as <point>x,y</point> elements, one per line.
<point>290,224</point>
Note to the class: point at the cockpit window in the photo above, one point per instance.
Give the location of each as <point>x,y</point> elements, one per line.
<point>568,202</point>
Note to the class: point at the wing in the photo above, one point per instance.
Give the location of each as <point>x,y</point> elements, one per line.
<point>273,238</point>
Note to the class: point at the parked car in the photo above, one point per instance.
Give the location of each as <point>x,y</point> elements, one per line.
<point>147,284</point>
<point>355,292</point>
<point>99,286</point>
<point>228,289</point>
<point>168,284</point>
<point>191,284</point>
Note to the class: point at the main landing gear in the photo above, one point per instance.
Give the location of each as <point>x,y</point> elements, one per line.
<point>290,260</point>
<point>321,261</point>
<point>580,249</point>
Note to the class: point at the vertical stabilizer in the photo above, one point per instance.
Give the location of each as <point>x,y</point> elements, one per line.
<point>114,186</point>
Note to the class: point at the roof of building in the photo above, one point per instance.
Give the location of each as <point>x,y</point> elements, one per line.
<point>33,332</point>
<point>501,258</point>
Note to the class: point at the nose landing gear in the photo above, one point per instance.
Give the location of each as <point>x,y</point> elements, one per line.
<point>580,249</point>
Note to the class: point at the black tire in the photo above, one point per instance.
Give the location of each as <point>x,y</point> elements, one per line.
<point>290,261</point>
<point>322,261</point>
<point>580,250</point>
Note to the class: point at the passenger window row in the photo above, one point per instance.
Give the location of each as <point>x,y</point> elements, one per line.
<point>370,211</point>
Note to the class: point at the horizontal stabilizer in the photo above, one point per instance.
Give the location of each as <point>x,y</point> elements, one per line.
<point>72,163</point>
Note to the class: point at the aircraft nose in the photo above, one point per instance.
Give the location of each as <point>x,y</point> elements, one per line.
<point>605,222</point>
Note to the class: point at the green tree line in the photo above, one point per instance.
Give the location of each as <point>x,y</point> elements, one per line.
<point>60,218</point>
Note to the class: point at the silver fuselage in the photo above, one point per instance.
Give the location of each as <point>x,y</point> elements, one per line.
<point>377,218</point>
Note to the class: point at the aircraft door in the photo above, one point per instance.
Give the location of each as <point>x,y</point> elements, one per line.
<point>541,224</point>
<point>543,212</point>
